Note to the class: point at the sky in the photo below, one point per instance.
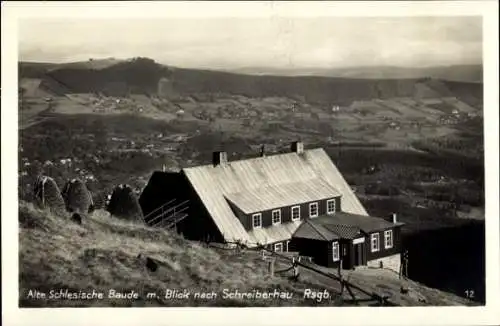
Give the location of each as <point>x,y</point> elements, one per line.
<point>228,43</point>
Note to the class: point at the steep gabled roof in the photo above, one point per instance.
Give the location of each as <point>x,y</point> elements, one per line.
<point>214,183</point>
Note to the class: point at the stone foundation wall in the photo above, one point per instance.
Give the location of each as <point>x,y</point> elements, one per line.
<point>392,262</point>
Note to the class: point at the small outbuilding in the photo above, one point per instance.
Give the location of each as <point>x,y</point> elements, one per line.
<point>348,240</point>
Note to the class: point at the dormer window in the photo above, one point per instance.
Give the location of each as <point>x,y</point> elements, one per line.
<point>257,220</point>
<point>276,214</point>
<point>313,209</point>
<point>295,213</point>
<point>330,206</point>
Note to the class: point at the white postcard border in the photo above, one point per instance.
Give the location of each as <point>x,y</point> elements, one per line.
<point>12,315</point>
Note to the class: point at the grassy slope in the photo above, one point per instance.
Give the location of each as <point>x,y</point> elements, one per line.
<point>102,253</point>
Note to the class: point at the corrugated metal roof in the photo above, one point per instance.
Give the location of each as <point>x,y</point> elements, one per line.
<point>287,194</point>
<point>310,230</point>
<point>213,183</point>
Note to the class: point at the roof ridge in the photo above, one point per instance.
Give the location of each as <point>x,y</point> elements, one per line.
<point>255,158</point>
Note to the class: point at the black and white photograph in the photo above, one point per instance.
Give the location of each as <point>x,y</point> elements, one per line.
<point>272,160</point>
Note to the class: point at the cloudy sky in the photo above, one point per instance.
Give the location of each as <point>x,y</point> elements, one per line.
<point>259,42</point>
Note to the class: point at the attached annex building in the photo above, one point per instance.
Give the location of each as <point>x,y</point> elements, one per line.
<point>293,201</point>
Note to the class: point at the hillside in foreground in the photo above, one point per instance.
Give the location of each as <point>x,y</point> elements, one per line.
<point>102,253</point>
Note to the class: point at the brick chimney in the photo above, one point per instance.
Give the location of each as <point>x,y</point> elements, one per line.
<point>394,218</point>
<point>298,147</point>
<point>219,158</point>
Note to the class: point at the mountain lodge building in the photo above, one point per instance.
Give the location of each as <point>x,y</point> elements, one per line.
<point>293,201</point>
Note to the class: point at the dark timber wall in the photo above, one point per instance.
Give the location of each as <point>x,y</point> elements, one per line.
<point>286,213</point>
<point>320,251</point>
<point>164,186</point>
<point>396,248</point>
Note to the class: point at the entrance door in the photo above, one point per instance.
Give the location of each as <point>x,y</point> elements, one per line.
<point>359,254</point>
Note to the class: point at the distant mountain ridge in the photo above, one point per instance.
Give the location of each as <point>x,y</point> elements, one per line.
<point>141,75</point>
<point>462,73</point>
<point>96,64</point>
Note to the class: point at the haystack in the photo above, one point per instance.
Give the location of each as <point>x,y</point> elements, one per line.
<point>124,204</point>
<point>77,218</point>
<point>48,195</point>
<point>77,197</point>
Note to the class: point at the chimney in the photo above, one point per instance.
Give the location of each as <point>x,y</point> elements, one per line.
<point>262,151</point>
<point>298,147</point>
<point>219,158</point>
<point>394,218</point>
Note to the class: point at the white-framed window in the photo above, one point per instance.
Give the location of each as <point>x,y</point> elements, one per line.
<point>388,240</point>
<point>278,247</point>
<point>295,213</point>
<point>287,245</point>
<point>313,209</point>
<point>330,206</point>
<point>375,241</point>
<point>335,251</point>
<point>257,220</point>
<point>276,214</point>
